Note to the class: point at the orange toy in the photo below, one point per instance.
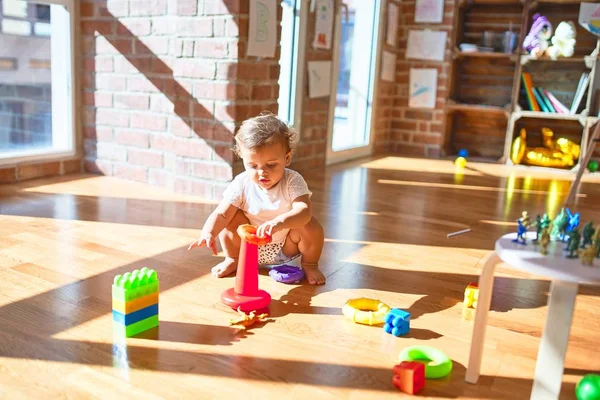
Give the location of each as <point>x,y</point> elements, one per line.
<point>409,376</point>
<point>245,320</point>
<point>248,233</point>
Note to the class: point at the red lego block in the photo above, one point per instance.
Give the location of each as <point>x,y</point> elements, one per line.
<point>409,376</point>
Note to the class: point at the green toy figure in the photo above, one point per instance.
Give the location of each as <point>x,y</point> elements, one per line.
<point>588,233</point>
<point>573,243</point>
<point>560,224</point>
<point>597,243</point>
<point>541,223</point>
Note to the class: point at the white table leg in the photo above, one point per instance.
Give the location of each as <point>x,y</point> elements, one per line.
<point>486,285</point>
<point>550,363</point>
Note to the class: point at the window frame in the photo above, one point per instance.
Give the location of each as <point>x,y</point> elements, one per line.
<point>298,54</point>
<point>66,128</point>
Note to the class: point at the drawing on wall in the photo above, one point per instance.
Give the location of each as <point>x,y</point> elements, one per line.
<point>429,11</point>
<point>422,87</point>
<point>262,35</point>
<point>589,17</point>
<point>388,66</point>
<point>324,24</point>
<point>426,45</point>
<point>392,24</point>
<point>319,78</point>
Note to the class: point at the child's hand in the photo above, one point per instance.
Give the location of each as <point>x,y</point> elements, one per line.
<point>269,228</point>
<point>206,240</point>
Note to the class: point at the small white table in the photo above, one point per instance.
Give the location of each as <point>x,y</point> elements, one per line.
<point>566,275</point>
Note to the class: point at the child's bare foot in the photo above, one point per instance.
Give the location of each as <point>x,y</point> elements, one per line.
<point>313,274</point>
<point>224,268</point>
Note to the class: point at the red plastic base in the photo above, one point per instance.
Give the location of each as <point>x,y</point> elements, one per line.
<point>262,299</point>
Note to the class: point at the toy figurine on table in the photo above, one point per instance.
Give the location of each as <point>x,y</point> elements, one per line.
<point>573,221</point>
<point>587,255</point>
<point>573,243</point>
<point>521,230</point>
<point>588,234</point>
<point>541,223</point>
<point>560,224</point>
<point>525,220</point>
<point>545,240</point>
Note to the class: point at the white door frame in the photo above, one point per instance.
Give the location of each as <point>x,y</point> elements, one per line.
<point>333,157</point>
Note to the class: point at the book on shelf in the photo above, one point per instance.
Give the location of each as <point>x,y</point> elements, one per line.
<point>581,89</point>
<point>540,99</point>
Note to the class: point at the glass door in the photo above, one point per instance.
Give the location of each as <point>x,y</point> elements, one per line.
<point>356,45</point>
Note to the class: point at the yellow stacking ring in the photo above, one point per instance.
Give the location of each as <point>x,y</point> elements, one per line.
<point>366,311</point>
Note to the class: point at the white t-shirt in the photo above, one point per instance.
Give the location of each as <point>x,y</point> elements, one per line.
<point>262,205</point>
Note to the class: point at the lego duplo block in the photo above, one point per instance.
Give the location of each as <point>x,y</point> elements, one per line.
<point>133,285</point>
<point>409,376</point>
<point>138,327</point>
<point>136,316</point>
<point>397,322</point>
<point>471,295</point>
<point>134,305</point>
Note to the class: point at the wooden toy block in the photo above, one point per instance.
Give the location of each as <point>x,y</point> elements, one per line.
<point>397,322</point>
<point>409,376</point>
<point>135,302</point>
<point>471,295</point>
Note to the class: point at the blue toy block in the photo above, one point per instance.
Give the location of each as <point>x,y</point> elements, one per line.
<point>136,316</point>
<point>397,322</point>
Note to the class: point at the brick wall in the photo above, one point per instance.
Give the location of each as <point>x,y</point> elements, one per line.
<point>165,84</point>
<point>420,132</point>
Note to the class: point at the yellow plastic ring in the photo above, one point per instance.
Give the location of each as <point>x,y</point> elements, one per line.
<point>366,311</point>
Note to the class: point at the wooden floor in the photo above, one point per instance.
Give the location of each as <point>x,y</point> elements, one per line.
<point>63,240</point>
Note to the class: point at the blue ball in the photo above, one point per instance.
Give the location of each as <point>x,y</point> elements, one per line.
<point>463,153</point>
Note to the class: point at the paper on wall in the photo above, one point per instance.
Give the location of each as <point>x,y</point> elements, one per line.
<point>429,11</point>
<point>262,31</point>
<point>426,45</point>
<point>388,66</point>
<point>319,79</point>
<point>323,24</point>
<point>422,87</point>
<point>392,24</point>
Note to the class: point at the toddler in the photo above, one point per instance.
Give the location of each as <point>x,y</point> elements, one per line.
<point>270,196</point>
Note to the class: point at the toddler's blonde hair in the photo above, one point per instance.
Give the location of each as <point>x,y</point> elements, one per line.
<point>263,130</point>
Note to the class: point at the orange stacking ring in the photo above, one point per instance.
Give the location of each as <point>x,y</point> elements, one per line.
<point>248,233</point>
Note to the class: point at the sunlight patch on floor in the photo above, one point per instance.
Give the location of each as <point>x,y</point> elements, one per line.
<point>107,186</point>
<point>411,257</point>
<point>470,187</point>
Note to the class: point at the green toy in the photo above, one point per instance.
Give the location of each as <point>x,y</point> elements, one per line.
<point>573,243</point>
<point>588,388</point>
<point>560,224</point>
<point>541,223</point>
<point>593,166</point>
<point>588,233</point>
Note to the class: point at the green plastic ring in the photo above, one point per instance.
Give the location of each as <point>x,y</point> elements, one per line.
<point>439,364</point>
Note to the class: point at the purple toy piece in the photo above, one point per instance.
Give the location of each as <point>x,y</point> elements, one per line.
<point>532,40</point>
<point>286,274</point>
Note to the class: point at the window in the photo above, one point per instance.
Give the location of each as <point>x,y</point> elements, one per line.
<point>36,97</point>
<point>289,59</point>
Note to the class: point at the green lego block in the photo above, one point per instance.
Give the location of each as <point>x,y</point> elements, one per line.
<point>133,285</point>
<point>134,329</point>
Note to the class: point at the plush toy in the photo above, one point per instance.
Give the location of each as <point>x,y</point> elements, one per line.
<point>536,42</point>
<point>563,41</point>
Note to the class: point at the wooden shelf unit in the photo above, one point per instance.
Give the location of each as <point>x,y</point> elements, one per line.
<point>481,83</point>
<point>486,107</point>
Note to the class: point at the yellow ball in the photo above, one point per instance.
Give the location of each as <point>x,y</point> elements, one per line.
<point>460,162</point>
